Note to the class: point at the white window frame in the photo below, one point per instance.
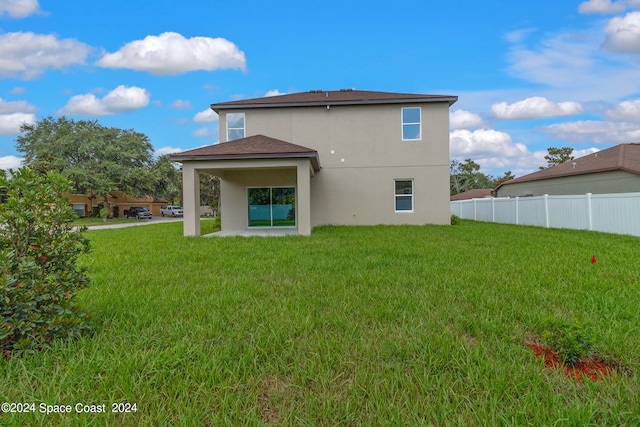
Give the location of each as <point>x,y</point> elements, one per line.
<point>244,128</point>
<point>419,123</point>
<point>395,195</point>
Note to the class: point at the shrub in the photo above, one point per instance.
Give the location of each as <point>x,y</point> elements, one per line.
<point>104,214</point>
<point>455,220</point>
<point>569,340</point>
<point>38,272</point>
<point>217,224</point>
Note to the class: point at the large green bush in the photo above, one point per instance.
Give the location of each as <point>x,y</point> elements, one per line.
<point>39,276</point>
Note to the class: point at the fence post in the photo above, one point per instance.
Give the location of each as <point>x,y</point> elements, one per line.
<point>517,213</point>
<point>493,211</point>
<point>546,210</point>
<point>475,214</point>
<point>589,213</point>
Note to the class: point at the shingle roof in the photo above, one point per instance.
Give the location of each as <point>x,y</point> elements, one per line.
<point>333,97</point>
<point>253,147</point>
<point>478,193</point>
<point>625,157</point>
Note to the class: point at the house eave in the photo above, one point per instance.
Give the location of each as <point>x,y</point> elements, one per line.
<point>580,173</point>
<point>313,157</point>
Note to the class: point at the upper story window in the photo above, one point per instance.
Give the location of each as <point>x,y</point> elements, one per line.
<point>235,126</point>
<point>411,124</point>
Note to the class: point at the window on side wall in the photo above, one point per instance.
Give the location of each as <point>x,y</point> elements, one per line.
<point>411,124</point>
<point>404,195</point>
<point>235,126</point>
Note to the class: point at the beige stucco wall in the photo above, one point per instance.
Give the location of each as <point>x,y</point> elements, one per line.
<point>236,176</point>
<point>361,153</point>
<point>596,183</point>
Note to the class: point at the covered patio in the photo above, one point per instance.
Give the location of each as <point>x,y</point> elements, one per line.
<point>265,185</point>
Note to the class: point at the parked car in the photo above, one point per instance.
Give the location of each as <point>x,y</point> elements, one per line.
<point>171,211</point>
<point>138,212</point>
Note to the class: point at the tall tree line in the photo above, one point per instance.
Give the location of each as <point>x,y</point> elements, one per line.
<point>465,176</point>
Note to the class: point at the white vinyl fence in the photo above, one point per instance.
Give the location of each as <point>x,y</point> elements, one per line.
<point>610,213</point>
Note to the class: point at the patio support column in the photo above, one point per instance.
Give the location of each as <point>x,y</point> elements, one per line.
<point>303,197</point>
<point>191,200</point>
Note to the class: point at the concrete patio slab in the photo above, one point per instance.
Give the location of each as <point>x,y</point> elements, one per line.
<point>263,232</point>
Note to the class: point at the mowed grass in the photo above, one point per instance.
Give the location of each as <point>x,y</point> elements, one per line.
<point>350,326</point>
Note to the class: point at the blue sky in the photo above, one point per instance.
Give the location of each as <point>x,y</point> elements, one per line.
<point>529,75</point>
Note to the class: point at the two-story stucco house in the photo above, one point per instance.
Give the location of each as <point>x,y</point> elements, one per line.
<point>344,157</point>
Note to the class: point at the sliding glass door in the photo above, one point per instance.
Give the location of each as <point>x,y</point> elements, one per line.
<point>272,206</point>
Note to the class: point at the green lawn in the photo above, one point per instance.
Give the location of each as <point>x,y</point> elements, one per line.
<point>350,326</point>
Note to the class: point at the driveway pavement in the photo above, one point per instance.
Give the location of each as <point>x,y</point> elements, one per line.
<point>154,220</point>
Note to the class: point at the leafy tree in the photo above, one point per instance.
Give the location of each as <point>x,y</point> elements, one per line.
<point>506,177</point>
<point>39,276</point>
<point>466,176</point>
<point>96,159</point>
<point>210,192</point>
<point>556,156</point>
<point>167,179</point>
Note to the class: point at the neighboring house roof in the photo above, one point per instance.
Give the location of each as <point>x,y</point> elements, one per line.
<point>333,97</point>
<point>478,193</point>
<point>625,157</point>
<point>253,147</point>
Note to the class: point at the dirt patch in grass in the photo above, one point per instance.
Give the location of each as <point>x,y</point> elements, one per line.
<point>271,398</point>
<point>593,368</point>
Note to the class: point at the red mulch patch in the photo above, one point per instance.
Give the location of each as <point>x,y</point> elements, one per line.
<point>591,368</point>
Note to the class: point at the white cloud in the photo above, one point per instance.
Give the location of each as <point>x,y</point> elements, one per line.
<point>16,107</point>
<point>205,133</point>
<point>10,162</point>
<point>518,36</point>
<point>534,107</point>
<point>623,34</point>
<point>490,149</point>
<point>572,65</point>
<point>121,99</point>
<point>18,8</point>
<point>625,111</point>
<point>166,150</point>
<point>461,119</point>
<point>598,132</point>
<point>27,55</point>
<point>172,53</point>
<point>555,62</point>
<point>180,104</point>
<point>274,92</point>
<point>18,90</point>
<point>206,116</point>
<point>10,123</point>
<point>601,7</point>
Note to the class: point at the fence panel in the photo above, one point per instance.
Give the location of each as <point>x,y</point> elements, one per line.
<point>484,209</point>
<point>610,213</point>
<point>568,212</point>
<point>505,210</point>
<point>616,213</point>
<point>531,211</point>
